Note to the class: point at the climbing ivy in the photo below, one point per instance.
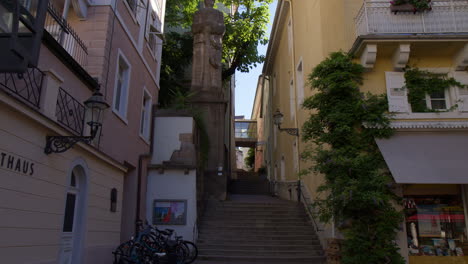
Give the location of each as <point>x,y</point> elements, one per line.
<point>419,83</point>
<point>357,192</point>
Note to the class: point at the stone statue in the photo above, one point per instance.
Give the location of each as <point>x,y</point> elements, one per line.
<point>208,30</point>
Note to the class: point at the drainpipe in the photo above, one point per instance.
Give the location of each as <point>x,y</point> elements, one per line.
<point>140,174</point>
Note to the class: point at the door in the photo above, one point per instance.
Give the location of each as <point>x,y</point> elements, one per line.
<point>69,230</point>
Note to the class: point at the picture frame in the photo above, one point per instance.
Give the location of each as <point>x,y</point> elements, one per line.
<point>169,212</point>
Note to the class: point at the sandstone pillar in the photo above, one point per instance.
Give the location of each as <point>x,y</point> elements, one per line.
<point>208,30</point>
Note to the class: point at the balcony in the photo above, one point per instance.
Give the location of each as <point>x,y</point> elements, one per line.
<point>245,133</point>
<point>70,113</point>
<point>446,17</point>
<point>26,87</point>
<point>60,30</point>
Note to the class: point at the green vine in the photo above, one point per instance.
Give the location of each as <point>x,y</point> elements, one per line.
<point>357,193</point>
<point>419,83</point>
<point>419,5</point>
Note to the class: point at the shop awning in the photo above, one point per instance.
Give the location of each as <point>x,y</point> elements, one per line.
<point>440,217</point>
<point>427,157</point>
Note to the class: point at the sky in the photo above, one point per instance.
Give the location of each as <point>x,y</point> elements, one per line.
<point>246,83</point>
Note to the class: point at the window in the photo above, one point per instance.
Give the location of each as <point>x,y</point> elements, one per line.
<point>436,101</point>
<point>153,39</point>
<point>121,87</point>
<point>145,115</point>
<point>133,4</point>
<point>292,100</point>
<point>300,84</point>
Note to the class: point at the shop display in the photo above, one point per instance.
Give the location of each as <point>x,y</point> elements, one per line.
<point>435,225</point>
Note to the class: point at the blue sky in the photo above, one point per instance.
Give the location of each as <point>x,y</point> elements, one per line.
<point>246,83</point>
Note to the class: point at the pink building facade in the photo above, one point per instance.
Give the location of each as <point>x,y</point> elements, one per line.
<point>77,206</point>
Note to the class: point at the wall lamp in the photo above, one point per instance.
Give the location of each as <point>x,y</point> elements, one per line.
<point>95,107</point>
<point>278,119</point>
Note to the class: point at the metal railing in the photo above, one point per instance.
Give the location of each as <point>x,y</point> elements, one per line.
<point>64,34</point>
<point>245,129</point>
<point>70,112</point>
<point>307,205</point>
<point>25,86</point>
<point>446,16</point>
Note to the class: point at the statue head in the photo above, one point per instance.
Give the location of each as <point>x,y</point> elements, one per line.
<point>209,3</point>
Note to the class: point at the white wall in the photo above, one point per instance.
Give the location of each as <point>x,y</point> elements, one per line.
<point>174,185</point>
<point>166,136</point>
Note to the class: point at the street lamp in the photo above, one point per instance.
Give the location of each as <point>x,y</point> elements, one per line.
<point>21,28</point>
<point>95,107</point>
<point>278,120</point>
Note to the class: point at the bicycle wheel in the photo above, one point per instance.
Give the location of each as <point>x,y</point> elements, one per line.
<point>192,251</point>
<point>123,253</point>
<point>181,253</point>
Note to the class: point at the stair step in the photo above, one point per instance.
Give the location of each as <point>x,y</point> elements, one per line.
<point>234,232</point>
<point>266,253</point>
<point>259,259</point>
<point>258,247</point>
<point>266,242</point>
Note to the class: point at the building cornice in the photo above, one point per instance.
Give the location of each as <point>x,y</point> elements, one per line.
<point>360,41</point>
<point>275,35</point>
<point>433,124</point>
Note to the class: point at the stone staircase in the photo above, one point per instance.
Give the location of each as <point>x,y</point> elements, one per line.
<point>250,183</point>
<point>257,229</point>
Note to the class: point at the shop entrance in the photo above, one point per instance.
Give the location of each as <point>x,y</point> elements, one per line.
<point>73,221</point>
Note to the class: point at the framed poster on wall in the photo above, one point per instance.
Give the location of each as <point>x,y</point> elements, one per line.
<point>170,212</point>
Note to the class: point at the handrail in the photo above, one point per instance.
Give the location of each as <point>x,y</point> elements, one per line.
<point>63,33</point>
<point>299,187</point>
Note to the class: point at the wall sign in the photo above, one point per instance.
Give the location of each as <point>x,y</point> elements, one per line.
<point>16,163</point>
<point>170,212</point>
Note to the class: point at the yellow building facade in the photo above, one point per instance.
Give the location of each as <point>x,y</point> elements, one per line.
<point>426,155</point>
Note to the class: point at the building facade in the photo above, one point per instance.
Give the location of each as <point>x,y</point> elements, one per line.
<point>76,206</point>
<point>426,154</point>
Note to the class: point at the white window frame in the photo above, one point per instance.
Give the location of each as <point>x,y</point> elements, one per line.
<point>122,112</point>
<point>448,104</point>
<point>300,86</point>
<point>133,13</point>
<point>145,121</point>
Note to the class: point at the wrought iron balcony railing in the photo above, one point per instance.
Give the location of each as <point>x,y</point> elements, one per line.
<point>27,86</point>
<point>64,34</point>
<point>446,16</point>
<point>245,129</point>
<point>70,112</point>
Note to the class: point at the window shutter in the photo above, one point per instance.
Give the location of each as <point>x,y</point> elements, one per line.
<point>396,92</point>
<point>462,98</point>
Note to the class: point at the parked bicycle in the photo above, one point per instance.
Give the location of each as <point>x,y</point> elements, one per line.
<point>155,246</point>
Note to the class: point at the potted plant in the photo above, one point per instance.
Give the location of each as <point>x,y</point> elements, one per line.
<point>410,6</point>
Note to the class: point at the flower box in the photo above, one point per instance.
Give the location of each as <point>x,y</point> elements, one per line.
<point>403,8</point>
<point>410,6</point>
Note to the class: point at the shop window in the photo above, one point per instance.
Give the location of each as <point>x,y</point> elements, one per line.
<point>435,225</point>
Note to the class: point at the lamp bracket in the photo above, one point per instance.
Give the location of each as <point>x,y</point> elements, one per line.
<point>290,131</point>
<point>60,144</point>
